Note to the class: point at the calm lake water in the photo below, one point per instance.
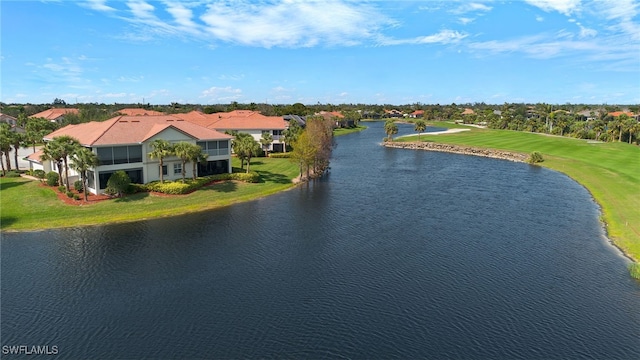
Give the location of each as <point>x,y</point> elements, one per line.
<point>396,254</point>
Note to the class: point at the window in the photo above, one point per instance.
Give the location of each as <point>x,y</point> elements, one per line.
<point>214,148</point>
<point>135,153</point>
<point>120,154</point>
<point>177,168</point>
<point>105,155</point>
<point>164,169</point>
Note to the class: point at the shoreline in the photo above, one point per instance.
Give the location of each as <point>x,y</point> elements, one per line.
<point>456,149</point>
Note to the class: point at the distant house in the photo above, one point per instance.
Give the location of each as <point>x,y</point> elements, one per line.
<point>301,120</point>
<point>417,114</point>
<point>468,111</point>
<point>586,115</point>
<point>243,121</point>
<point>392,113</point>
<point>139,112</point>
<point>13,122</point>
<point>630,114</point>
<point>338,119</point>
<point>124,142</point>
<point>55,114</point>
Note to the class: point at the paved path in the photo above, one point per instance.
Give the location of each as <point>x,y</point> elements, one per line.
<point>22,152</point>
<point>450,131</point>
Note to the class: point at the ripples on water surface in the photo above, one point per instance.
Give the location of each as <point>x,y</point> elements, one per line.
<point>397,254</point>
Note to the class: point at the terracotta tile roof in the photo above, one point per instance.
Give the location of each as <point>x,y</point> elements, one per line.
<point>330,114</point>
<point>618,113</point>
<point>198,118</point>
<point>418,112</point>
<point>35,157</point>
<point>245,120</point>
<point>468,112</point>
<point>122,130</point>
<point>139,112</point>
<point>54,113</point>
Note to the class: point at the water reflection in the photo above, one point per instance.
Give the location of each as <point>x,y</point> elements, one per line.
<point>397,254</point>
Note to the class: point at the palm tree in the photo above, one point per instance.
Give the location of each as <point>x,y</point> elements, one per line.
<point>420,126</point>
<point>266,140</point>
<point>237,146</point>
<point>52,152</point>
<point>246,148</point>
<point>390,128</point>
<point>196,155</point>
<point>68,146</point>
<point>183,151</point>
<point>17,141</point>
<point>82,161</point>
<point>161,149</point>
<point>6,140</point>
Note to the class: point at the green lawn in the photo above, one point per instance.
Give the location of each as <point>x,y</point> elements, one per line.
<point>25,205</point>
<point>343,131</point>
<point>610,171</point>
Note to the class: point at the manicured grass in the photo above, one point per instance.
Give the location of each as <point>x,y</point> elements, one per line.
<point>25,205</point>
<point>342,131</point>
<point>610,171</point>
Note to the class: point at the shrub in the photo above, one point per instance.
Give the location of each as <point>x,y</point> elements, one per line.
<point>136,188</point>
<point>76,197</point>
<point>12,173</point>
<point>251,177</point>
<point>280,155</point>
<point>52,178</point>
<point>634,270</point>
<point>69,194</point>
<point>62,189</point>
<point>78,185</point>
<point>535,157</point>
<point>170,187</point>
<point>117,184</point>
<point>40,174</point>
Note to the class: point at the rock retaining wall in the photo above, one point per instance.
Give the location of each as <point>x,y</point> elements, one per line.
<point>458,149</point>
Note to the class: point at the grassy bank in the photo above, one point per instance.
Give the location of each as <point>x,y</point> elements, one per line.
<point>610,171</point>
<point>26,205</point>
<point>343,131</point>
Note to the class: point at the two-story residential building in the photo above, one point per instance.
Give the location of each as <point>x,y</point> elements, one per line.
<point>124,142</point>
<point>13,123</point>
<point>243,121</point>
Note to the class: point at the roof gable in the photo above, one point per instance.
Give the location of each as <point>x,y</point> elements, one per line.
<point>133,130</point>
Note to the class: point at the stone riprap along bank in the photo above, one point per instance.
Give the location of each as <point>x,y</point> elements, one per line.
<point>466,150</point>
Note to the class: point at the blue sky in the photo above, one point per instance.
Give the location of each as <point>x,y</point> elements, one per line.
<point>283,52</point>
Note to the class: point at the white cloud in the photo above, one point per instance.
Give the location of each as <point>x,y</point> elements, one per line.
<point>141,9</point>
<point>622,13</point>
<point>566,7</point>
<point>465,20</point>
<point>133,79</point>
<point>183,16</point>
<point>539,18</point>
<point>98,5</point>
<point>221,93</point>
<point>586,32</point>
<point>443,37</point>
<point>272,24</point>
<point>115,95</point>
<point>470,7</point>
<point>233,77</point>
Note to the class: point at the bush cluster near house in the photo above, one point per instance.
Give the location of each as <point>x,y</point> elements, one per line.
<point>179,187</point>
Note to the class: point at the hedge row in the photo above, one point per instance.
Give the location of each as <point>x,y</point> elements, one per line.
<point>280,155</point>
<point>179,188</point>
